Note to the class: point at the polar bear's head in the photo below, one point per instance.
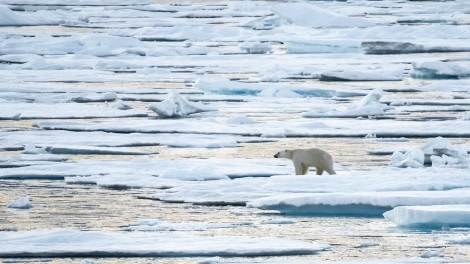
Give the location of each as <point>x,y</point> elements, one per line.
<point>284,154</point>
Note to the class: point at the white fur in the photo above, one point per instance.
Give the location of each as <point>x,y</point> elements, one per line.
<point>305,158</point>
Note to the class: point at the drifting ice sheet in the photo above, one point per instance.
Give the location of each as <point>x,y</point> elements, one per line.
<point>430,216</point>
<point>157,225</point>
<point>355,204</point>
<point>17,111</point>
<point>73,243</point>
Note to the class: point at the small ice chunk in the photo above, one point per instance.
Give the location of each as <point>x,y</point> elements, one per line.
<point>369,105</point>
<point>95,97</point>
<point>21,203</point>
<point>466,116</point>
<point>411,159</point>
<point>433,254</point>
<point>176,106</point>
<point>256,47</point>
<point>16,117</point>
<point>439,152</point>
<point>438,70</point>
<point>121,105</point>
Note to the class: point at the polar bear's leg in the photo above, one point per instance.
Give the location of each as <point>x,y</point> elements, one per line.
<point>304,169</point>
<point>330,171</point>
<point>298,168</point>
<point>319,170</point>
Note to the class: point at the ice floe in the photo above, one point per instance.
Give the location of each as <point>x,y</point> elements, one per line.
<point>354,204</point>
<point>289,128</point>
<point>21,203</point>
<point>439,152</point>
<point>152,168</point>
<point>308,15</point>
<point>435,216</point>
<point>12,18</point>
<point>74,243</point>
<point>369,105</point>
<point>38,141</point>
<point>62,110</point>
<point>439,70</point>
<point>176,106</point>
<point>356,193</point>
<point>154,225</point>
<point>391,47</point>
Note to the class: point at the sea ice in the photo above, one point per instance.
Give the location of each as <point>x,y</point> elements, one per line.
<point>371,192</point>
<point>21,203</point>
<point>176,106</point>
<point>355,203</point>
<point>155,225</point>
<point>439,152</point>
<point>369,105</point>
<point>95,97</point>
<point>393,47</point>
<point>309,15</point>
<point>73,243</point>
<point>351,75</point>
<point>434,216</point>
<point>63,110</point>
<point>198,173</point>
<point>256,47</point>
<point>11,18</point>
<point>439,70</point>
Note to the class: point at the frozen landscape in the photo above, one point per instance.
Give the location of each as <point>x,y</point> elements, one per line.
<point>144,131</point>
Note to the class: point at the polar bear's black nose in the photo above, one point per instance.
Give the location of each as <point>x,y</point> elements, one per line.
<point>276,155</point>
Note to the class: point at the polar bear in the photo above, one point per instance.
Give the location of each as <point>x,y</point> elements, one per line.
<point>304,158</point>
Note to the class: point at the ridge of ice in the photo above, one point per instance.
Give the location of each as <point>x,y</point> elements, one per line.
<point>177,106</point>
<point>369,105</point>
<point>438,151</point>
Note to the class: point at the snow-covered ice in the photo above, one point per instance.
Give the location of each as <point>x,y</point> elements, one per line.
<point>21,203</point>
<point>446,215</point>
<point>439,152</point>
<point>154,225</point>
<point>177,106</point>
<point>369,105</point>
<point>74,243</point>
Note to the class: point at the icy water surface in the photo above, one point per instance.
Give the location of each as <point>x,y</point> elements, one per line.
<point>92,130</point>
<point>57,205</point>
